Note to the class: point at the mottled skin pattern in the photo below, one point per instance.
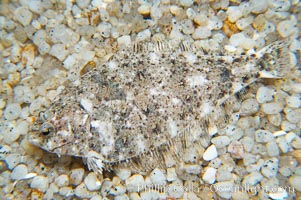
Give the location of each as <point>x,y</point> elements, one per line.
<point>149,103</point>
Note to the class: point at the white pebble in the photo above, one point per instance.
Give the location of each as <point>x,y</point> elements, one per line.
<point>157,177</point>
<point>76,176</point>
<point>201,33</point>
<point>293,115</point>
<point>134,183</point>
<point>92,182</point>
<point>259,6</point>
<point>296,87</point>
<point>295,181</point>
<point>272,149</point>
<point>186,3</point>
<point>279,133</point>
<point>272,108</point>
<point>118,190</point>
<point>62,180</point>
<point>265,94</point>
<point>210,153</point>
<point>293,102</point>
<point>296,143</point>
<point>23,15</point>
<point>81,191</point>
<point>12,160</point>
<point>171,174</point>
<point>175,189</point>
<point>66,191</point>
<point>36,6</point>
<point>192,168</point>
<point>279,5</point>
<point>286,28</point>
<point>283,144</point>
<point>59,51</point>
<point>275,119</point>
<point>270,168</point>
<point>224,189</point>
<point>40,183</point>
<point>287,126</point>
<point>252,178</point>
<point>209,175</point>
<point>237,39</point>
<point>143,35</point>
<point>19,172</point>
<point>234,13</point>
<point>12,111</point>
<point>123,173</point>
<point>124,41</point>
<point>220,141</point>
<point>281,193</point>
<point>249,107</point>
<point>263,136</point>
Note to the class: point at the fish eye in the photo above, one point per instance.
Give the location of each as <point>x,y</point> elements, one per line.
<point>47,129</point>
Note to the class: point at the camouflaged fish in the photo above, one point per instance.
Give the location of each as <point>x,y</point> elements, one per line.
<point>150,102</point>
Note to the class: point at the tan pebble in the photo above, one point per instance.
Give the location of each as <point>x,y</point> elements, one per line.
<point>144,9</point>
<point>297,155</point>
<point>201,19</point>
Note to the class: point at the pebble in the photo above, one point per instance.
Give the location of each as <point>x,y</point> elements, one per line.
<point>286,28</point>
<point>252,179</point>
<point>236,149</point>
<point>23,15</point>
<point>143,35</point>
<point>62,180</point>
<point>272,108</point>
<point>123,173</point>
<point>76,176</point>
<point>283,144</point>
<point>158,177</point>
<point>224,189</point>
<point>296,143</point>
<point>272,149</point>
<point>171,174</point>
<point>92,182</point>
<point>210,153</point>
<point>280,193</point>
<point>220,141</point>
<point>19,172</point>
<point>135,183</point>
<point>40,183</point>
<point>175,189</point>
<point>12,160</point>
<point>201,33</point>
<point>144,9</point>
<point>293,102</point>
<point>293,115</point>
<point>66,191</point>
<point>192,169</point>
<point>265,94</point>
<point>234,13</point>
<point>287,126</point>
<point>259,6</point>
<point>240,195</point>
<point>275,119</point>
<point>12,111</point>
<point>295,181</point>
<point>124,41</point>
<point>248,143</point>
<point>270,168</point>
<point>249,107</point>
<point>263,136</point>
<point>297,155</point>
<point>81,191</point>
<point>279,5</point>
<point>118,190</point>
<point>186,3</point>
<point>59,51</point>
<point>223,174</point>
<point>209,175</point>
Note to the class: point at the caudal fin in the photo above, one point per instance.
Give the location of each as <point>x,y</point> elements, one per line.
<point>274,60</point>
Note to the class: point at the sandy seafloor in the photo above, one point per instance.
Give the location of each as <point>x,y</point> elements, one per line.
<point>45,43</point>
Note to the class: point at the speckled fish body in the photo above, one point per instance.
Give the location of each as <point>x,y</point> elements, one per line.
<point>148,103</point>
